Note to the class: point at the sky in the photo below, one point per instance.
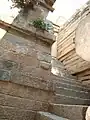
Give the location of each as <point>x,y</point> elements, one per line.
<point>63,10</point>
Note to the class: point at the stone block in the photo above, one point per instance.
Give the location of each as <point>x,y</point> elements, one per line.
<point>48,116</point>
<point>43,47</point>
<point>6,45</point>
<point>57,64</point>
<point>2,50</point>
<point>44,57</point>
<point>21,59</point>
<point>46,36</point>
<point>86,83</point>
<point>5,75</point>
<point>42,74</point>
<point>26,92</point>
<point>32,52</point>
<point>28,79</point>
<point>11,113</point>
<point>16,39</point>
<point>22,103</point>
<point>29,62</point>
<point>45,65</point>
<point>72,112</point>
<point>31,28</point>
<point>9,64</point>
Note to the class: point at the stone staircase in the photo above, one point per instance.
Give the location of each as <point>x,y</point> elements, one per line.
<point>48,116</point>
<point>28,89</point>
<point>72,93</point>
<point>71,112</point>
<point>70,102</point>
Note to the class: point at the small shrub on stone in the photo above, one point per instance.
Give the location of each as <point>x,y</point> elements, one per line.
<point>42,24</point>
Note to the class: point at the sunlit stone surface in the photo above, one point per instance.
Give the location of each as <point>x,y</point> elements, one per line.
<point>88,114</point>
<point>83,39</point>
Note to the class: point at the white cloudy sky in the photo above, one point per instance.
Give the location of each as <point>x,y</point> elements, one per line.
<point>63,8</point>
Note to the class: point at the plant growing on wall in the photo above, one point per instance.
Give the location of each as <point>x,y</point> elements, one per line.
<point>42,24</point>
<point>24,4</point>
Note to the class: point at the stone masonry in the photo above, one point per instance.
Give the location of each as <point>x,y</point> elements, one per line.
<point>28,88</point>
<point>71,34</point>
<point>25,73</point>
<point>27,84</point>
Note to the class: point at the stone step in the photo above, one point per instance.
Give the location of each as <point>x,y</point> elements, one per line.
<point>73,93</point>
<point>3,119</point>
<point>71,82</point>
<point>11,113</point>
<point>65,80</point>
<point>23,103</point>
<point>72,112</point>
<point>48,116</point>
<point>71,86</point>
<point>63,99</point>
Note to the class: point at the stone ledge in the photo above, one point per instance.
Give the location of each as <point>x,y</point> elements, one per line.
<point>22,103</point>
<point>48,116</point>
<point>25,92</point>
<point>31,30</point>
<point>26,79</point>
<point>11,113</point>
<point>42,56</point>
<point>45,65</point>
<point>72,112</point>
<point>34,82</point>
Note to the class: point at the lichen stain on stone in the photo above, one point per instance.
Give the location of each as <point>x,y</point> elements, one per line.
<point>5,75</point>
<point>9,64</point>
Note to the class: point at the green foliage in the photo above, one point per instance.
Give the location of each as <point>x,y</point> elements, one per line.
<point>41,24</point>
<point>49,26</point>
<point>24,4</point>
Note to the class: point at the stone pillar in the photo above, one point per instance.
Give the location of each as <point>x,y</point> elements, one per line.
<point>25,69</point>
<point>30,49</point>
<point>42,40</point>
<point>23,19</point>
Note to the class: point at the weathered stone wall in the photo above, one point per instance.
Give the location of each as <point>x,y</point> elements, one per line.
<point>22,20</point>
<point>66,48</point>
<point>27,84</point>
<point>24,76</point>
<point>26,81</point>
<point>39,11</point>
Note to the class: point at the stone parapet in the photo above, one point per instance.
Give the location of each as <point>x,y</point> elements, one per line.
<point>28,31</point>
